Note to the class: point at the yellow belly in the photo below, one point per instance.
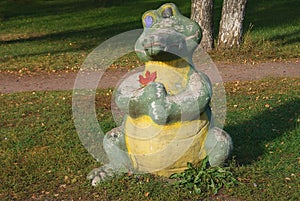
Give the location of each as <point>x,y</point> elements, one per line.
<point>174,79</point>
<point>165,149</point>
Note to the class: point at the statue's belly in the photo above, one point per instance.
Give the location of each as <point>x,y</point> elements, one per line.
<point>165,149</point>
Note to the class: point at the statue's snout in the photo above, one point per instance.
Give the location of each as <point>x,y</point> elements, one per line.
<point>158,42</point>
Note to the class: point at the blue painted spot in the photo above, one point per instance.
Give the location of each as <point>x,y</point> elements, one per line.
<point>148,21</point>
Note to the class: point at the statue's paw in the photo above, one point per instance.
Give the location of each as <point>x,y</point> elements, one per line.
<point>158,112</point>
<point>154,91</point>
<point>100,174</point>
<point>114,134</point>
<point>218,145</point>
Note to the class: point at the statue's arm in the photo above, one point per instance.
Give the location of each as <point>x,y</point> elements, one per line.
<point>190,103</point>
<point>154,101</point>
<point>135,100</point>
<point>128,88</point>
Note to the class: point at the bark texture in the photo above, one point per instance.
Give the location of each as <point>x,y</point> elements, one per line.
<point>231,24</point>
<point>202,13</point>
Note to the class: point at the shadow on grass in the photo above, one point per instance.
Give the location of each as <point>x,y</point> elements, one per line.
<point>272,13</point>
<point>288,38</point>
<point>92,32</point>
<point>83,39</point>
<point>250,137</point>
<point>37,8</point>
<point>266,14</point>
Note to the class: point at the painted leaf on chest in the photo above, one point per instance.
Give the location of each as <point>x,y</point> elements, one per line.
<point>149,77</point>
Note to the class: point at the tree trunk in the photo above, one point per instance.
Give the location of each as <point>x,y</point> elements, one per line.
<point>202,13</point>
<point>231,25</point>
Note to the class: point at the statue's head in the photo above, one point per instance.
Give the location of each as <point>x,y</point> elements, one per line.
<point>167,35</point>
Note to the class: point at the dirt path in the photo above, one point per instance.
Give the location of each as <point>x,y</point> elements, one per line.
<point>10,83</point>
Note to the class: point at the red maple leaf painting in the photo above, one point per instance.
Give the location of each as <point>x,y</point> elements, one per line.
<point>149,77</point>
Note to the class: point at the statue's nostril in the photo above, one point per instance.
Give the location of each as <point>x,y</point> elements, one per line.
<point>180,45</point>
<point>152,39</point>
<point>144,43</point>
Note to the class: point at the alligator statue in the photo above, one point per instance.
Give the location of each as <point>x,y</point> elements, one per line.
<point>168,119</point>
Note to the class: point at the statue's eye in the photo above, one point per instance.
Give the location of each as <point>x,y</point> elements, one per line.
<point>148,21</point>
<point>168,12</point>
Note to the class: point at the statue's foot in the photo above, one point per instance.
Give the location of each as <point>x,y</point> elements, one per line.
<point>114,134</point>
<point>218,145</point>
<point>100,174</point>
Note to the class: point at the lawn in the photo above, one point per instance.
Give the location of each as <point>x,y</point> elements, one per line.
<point>42,157</point>
<point>52,35</point>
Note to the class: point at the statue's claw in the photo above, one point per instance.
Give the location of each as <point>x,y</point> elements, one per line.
<point>100,174</point>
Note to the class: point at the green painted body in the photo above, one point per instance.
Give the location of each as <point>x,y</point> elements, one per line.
<point>175,101</point>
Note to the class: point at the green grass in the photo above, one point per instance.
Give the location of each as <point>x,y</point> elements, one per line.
<point>42,157</point>
<point>51,35</point>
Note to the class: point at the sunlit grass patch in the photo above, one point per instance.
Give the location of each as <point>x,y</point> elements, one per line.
<point>43,158</point>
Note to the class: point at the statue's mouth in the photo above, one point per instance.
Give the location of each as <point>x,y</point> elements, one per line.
<point>163,47</point>
<point>163,50</point>
<point>162,44</point>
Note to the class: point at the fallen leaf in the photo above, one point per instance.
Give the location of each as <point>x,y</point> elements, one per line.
<point>288,179</point>
<point>149,77</point>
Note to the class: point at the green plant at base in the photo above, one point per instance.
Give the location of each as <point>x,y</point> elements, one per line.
<point>204,180</point>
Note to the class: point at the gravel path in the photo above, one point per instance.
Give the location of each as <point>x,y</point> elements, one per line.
<point>10,83</point>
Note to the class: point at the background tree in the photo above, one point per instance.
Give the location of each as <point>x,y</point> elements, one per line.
<point>231,24</point>
<point>202,13</point>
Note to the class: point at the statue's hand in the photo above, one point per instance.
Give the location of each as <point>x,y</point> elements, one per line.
<point>154,91</point>
<point>144,102</point>
<point>158,112</point>
<point>156,106</point>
